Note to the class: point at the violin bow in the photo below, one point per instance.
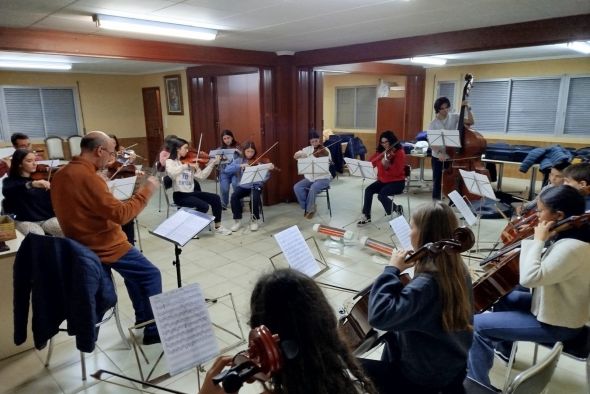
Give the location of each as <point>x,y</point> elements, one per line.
<point>199,148</point>
<point>119,169</point>
<point>264,153</point>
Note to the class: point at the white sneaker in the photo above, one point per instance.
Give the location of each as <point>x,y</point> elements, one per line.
<point>254,225</point>
<point>236,226</point>
<point>222,231</point>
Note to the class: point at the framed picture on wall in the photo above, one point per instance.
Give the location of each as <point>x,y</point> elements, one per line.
<point>173,88</point>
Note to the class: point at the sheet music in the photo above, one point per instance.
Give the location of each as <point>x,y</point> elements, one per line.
<point>122,188</point>
<point>257,173</point>
<point>296,251</point>
<point>478,184</point>
<point>313,165</point>
<point>183,226</point>
<point>402,229</point>
<point>49,163</point>
<point>185,328</point>
<point>227,153</point>
<point>444,138</point>
<point>462,207</point>
<point>353,166</point>
<point>367,170</point>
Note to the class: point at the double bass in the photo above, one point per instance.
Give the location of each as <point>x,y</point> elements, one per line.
<point>468,156</point>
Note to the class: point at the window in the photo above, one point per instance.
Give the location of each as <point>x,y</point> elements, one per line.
<point>447,89</point>
<point>548,105</point>
<point>356,107</point>
<point>38,112</point>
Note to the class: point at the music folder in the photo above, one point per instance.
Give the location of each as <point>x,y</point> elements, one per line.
<point>182,226</point>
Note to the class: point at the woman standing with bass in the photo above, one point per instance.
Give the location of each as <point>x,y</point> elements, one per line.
<point>559,304</point>
<point>428,320</point>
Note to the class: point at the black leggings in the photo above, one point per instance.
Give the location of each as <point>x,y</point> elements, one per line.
<point>383,191</point>
<point>200,201</point>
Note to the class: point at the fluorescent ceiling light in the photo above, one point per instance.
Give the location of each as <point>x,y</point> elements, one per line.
<point>324,70</point>
<point>34,65</point>
<point>153,27</point>
<point>436,61</point>
<point>579,46</point>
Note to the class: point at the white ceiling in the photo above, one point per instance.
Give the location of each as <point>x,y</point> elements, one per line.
<point>292,25</point>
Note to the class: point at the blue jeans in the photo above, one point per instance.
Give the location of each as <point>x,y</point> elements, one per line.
<point>306,190</point>
<point>142,279</point>
<point>224,181</point>
<point>501,328</point>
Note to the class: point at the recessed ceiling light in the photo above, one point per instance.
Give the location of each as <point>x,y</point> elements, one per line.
<point>34,65</point>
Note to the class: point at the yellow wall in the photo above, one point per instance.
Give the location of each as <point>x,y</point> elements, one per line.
<point>501,70</point>
<point>111,103</point>
<point>333,81</point>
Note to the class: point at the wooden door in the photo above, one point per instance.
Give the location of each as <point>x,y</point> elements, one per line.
<point>152,112</point>
<point>391,116</point>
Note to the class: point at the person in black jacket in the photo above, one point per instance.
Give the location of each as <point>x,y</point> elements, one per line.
<point>428,321</point>
<point>29,200</point>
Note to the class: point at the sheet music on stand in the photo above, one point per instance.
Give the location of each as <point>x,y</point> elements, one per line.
<point>257,173</point>
<point>360,168</point>
<point>297,252</point>
<point>315,166</point>
<point>49,163</point>
<point>185,328</point>
<point>463,207</point>
<point>401,229</point>
<point>478,184</point>
<point>182,226</point>
<point>227,153</point>
<point>444,138</point>
<point>122,188</point>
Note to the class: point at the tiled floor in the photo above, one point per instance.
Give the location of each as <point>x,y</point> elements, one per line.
<point>232,264</point>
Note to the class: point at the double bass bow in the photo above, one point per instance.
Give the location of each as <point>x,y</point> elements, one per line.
<point>468,156</point>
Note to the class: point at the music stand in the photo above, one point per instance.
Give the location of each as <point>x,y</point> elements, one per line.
<point>122,188</point>
<point>444,139</point>
<point>479,185</point>
<point>258,173</point>
<point>180,228</point>
<point>226,154</point>
<point>314,166</point>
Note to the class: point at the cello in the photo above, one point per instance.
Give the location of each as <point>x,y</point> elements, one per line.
<point>468,156</point>
<point>504,272</point>
<point>355,327</point>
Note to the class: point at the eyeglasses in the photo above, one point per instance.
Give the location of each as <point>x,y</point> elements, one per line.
<point>112,154</point>
<point>384,141</point>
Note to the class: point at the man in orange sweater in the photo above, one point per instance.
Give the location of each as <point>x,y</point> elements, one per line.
<point>89,213</point>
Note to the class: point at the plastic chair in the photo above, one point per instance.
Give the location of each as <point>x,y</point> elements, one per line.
<point>408,175</point>
<point>55,148</point>
<point>536,378</point>
<point>74,144</point>
<point>326,193</point>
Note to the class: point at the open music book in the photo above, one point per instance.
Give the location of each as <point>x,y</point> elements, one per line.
<point>360,168</point>
<point>297,252</point>
<point>182,226</point>
<point>185,328</point>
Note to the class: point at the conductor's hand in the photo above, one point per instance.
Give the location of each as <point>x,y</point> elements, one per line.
<point>398,260</point>
<point>208,386</point>
<point>152,183</point>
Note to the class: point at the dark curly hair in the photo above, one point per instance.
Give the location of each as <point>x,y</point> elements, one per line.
<point>293,306</point>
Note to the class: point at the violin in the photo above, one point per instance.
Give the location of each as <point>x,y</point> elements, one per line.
<point>262,160</point>
<point>320,151</point>
<point>262,359</point>
<point>118,170</point>
<point>504,274</point>
<point>201,158</point>
<point>44,172</point>
<point>520,228</point>
<point>355,327</point>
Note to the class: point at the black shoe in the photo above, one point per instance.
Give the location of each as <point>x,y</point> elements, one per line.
<point>224,207</point>
<point>151,336</point>
<point>400,210</point>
